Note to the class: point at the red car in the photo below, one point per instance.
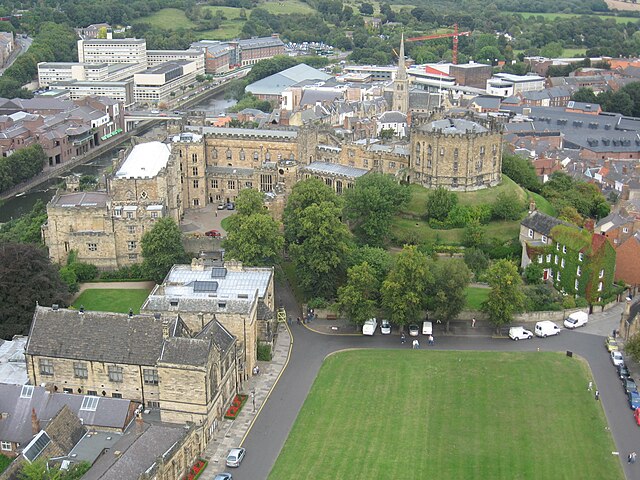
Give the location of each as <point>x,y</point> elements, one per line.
<point>636,415</point>
<point>213,233</point>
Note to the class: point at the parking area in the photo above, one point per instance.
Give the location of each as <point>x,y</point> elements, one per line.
<point>198,222</point>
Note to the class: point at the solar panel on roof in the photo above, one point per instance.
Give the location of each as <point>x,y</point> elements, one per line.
<point>218,272</point>
<point>199,286</point>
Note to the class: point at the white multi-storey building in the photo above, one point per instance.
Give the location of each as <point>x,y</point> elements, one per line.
<point>124,50</point>
<point>156,57</point>
<point>50,72</point>
<point>119,91</point>
<point>157,83</point>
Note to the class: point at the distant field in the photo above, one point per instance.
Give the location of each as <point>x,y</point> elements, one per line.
<point>617,5</point>
<point>112,299</point>
<point>169,19</point>
<point>230,12</point>
<point>574,52</point>
<point>286,6</point>
<point>445,415</point>
<point>551,16</point>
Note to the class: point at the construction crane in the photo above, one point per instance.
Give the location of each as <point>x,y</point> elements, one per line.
<point>455,36</point>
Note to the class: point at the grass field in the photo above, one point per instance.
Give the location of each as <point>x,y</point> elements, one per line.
<point>552,16</point>
<point>4,462</point>
<point>174,19</point>
<point>286,6</point>
<point>475,297</point>
<point>169,19</point>
<point>112,299</point>
<point>408,414</point>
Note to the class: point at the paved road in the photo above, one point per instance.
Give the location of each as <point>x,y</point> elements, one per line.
<point>271,428</point>
<point>22,46</point>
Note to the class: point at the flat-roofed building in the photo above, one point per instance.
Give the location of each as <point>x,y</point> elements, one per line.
<point>51,72</point>
<point>123,50</point>
<point>157,57</point>
<point>121,91</point>
<point>157,83</point>
<point>507,84</point>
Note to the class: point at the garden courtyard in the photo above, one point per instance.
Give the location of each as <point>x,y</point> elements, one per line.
<point>414,414</point>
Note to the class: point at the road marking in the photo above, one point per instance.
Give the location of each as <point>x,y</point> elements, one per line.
<point>266,398</point>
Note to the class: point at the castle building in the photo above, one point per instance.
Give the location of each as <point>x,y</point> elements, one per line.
<point>105,228</point>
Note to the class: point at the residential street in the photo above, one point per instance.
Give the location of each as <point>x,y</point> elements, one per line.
<point>271,428</point>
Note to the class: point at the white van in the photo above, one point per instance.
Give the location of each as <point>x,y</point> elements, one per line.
<point>427,328</point>
<point>519,333</point>
<point>546,328</point>
<point>576,319</point>
<point>369,327</point>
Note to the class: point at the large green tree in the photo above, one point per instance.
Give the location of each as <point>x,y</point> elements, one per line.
<point>506,297</point>
<point>377,258</point>
<point>404,289</point>
<point>254,239</point>
<point>27,277</point>
<point>371,205</point>
<point>304,194</point>
<point>161,249</point>
<point>521,171</point>
<point>439,203</point>
<point>356,298</point>
<point>447,295</point>
<point>321,249</point>
<point>25,229</point>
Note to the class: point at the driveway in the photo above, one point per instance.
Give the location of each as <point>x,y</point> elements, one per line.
<point>205,219</point>
<point>271,428</point>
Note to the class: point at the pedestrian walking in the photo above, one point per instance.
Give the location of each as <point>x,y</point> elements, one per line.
<point>597,395</point>
<point>289,320</point>
<point>473,322</point>
<point>253,399</point>
<point>590,386</point>
<point>416,344</point>
<point>298,320</point>
<point>431,341</point>
<point>633,457</point>
<point>629,458</point>
<point>402,338</point>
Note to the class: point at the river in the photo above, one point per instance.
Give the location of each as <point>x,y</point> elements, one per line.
<point>17,206</point>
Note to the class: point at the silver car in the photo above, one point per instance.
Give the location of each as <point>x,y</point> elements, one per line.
<point>235,456</point>
<point>385,327</point>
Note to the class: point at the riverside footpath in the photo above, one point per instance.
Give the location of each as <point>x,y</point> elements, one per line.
<point>231,433</point>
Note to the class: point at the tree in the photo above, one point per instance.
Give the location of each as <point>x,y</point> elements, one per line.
<point>366,9</point>
<point>552,50</point>
<point>377,258</point>
<point>571,215</point>
<point>254,239</point>
<point>320,252</point>
<point>25,229</point>
<point>632,347</point>
<point>585,94</point>
<point>304,194</point>
<point>39,470</point>
<point>476,260</point>
<point>404,290</point>
<point>27,277</point>
<point>521,171</point>
<point>507,206</point>
<point>250,201</point>
<point>371,205</point>
<point>506,297</point>
<point>161,249</point>
<point>356,299</point>
<point>473,234</point>
<point>533,274</point>
<point>448,298</point>
<point>439,202</point>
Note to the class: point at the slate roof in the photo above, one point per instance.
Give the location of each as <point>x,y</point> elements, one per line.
<point>485,101</point>
<point>334,169</point>
<point>80,199</point>
<point>541,222</point>
<point>276,83</point>
<point>264,312</point>
<point>109,413</point>
<point>185,351</point>
<point>96,336</point>
<point>453,126</point>
<point>393,117</point>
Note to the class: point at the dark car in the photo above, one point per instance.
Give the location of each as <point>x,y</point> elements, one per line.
<point>634,400</point>
<point>231,206</point>
<point>629,385</point>
<point>213,233</point>
<point>623,371</point>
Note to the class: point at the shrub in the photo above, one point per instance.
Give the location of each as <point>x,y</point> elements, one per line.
<point>317,302</point>
<point>125,273</point>
<point>264,352</point>
<point>541,298</point>
<point>568,302</point>
<point>85,272</point>
<point>477,261</point>
<point>533,274</point>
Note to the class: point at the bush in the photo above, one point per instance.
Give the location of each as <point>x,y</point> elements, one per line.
<point>533,274</point>
<point>507,207</point>
<point>568,302</point>
<point>541,298</point>
<point>477,261</point>
<point>85,272</point>
<point>69,277</point>
<point>317,302</point>
<point>132,272</point>
<point>581,302</point>
<point>264,352</point>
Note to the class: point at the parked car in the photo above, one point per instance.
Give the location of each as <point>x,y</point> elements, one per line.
<point>223,476</point>
<point>629,385</point>
<point>235,456</point>
<point>385,327</point>
<point>222,206</point>
<point>617,358</point>
<point>427,328</point>
<point>369,327</point>
<point>611,344</point>
<point>636,415</point>
<point>519,333</point>
<point>623,371</point>
<point>231,206</point>
<point>545,328</point>
<point>634,400</point>
<point>413,330</point>
<point>576,319</point>
<point>213,233</point>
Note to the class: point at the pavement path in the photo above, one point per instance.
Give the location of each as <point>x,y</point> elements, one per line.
<point>282,391</point>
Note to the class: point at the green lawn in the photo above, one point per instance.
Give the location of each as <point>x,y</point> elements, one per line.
<point>4,462</point>
<point>475,297</point>
<point>406,414</point>
<point>117,300</point>
<point>169,19</point>
<point>574,52</point>
<point>230,12</point>
<point>174,18</point>
<point>552,16</point>
<point>543,204</point>
<point>285,7</point>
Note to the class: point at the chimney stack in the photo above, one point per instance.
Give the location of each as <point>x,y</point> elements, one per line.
<point>35,423</point>
<point>532,206</point>
<point>589,224</point>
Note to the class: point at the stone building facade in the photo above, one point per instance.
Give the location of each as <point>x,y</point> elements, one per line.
<point>106,228</point>
<point>157,361</point>
<point>240,298</point>
<point>455,153</point>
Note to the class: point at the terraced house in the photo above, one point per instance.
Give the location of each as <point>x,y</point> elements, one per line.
<point>575,260</point>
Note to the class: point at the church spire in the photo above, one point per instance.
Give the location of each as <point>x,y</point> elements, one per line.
<point>401,84</point>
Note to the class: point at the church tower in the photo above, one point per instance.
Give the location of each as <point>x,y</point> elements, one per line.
<point>401,84</point>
